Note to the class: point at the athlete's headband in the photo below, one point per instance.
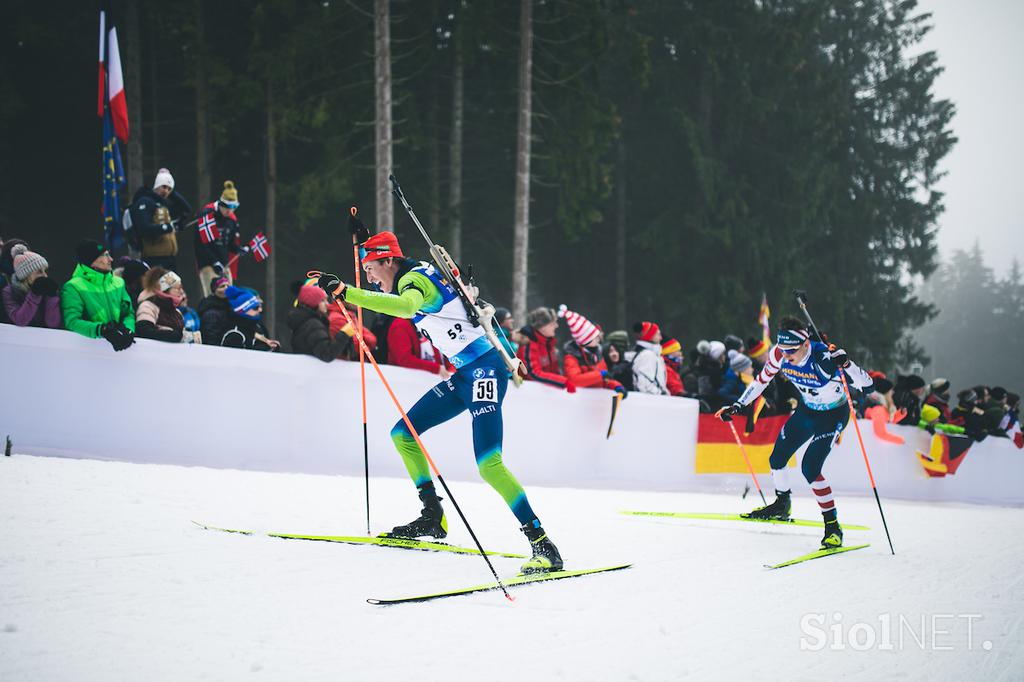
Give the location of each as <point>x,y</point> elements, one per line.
<point>791,337</point>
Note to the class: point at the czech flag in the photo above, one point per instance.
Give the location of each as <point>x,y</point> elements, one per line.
<point>114,112</point>
<point>111,82</point>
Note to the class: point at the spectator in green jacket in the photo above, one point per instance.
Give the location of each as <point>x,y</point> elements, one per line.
<point>995,410</point>
<point>94,301</point>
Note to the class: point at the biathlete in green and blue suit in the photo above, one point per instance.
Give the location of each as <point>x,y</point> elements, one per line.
<point>414,290</point>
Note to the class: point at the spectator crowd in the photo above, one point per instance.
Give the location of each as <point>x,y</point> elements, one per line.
<point>141,295</point>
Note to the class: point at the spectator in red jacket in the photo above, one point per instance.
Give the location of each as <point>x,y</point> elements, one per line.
<point>672,352</point>
<point>408,348</point>
<point>938,397</point>
<point>338,323</point>
<point>537,349</point>
<point>582,363</point>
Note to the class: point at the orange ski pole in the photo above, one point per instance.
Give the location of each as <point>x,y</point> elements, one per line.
<point>419,442</point>
<point>746,459</point>
<point>362,375</point>
<point>801,299</point>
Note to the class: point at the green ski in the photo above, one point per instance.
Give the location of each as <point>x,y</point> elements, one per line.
<point>816,555</point>
<point>380,541</point>
<point>737,517</point>
<point>520,579</point>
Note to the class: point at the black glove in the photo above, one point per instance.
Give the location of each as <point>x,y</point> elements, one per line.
<point>119,336</point>
<point>44,286</point>
<point>358,229</point>
<point>330,283</point>
<point>841,359</point>
<point>112,334</point>
<point>126,335</point>
<point>727,413</point>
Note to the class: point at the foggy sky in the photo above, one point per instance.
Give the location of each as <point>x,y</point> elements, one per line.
<point>979,44</point>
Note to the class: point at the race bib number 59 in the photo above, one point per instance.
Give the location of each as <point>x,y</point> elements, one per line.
<point>485,390</point>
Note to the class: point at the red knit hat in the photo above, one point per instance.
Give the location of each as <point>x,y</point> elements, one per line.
<point>382,245</point>
<point>311,296</point>
<point>646,330</point>
<point>584,332</point>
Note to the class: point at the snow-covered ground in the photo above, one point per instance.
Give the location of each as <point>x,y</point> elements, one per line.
<point>103,577</point>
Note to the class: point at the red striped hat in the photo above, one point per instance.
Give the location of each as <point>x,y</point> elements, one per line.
<point>646,330</point>
<point>584,332</point>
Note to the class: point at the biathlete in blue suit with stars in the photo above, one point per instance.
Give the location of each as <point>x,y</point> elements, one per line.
<point>820,417</point>
<point>414,290</point>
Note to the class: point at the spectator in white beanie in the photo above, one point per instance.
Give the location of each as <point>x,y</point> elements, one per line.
<point>156,215</point>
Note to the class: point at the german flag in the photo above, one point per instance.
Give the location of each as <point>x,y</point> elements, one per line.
<point>946,455</point>
<point>717,452</point>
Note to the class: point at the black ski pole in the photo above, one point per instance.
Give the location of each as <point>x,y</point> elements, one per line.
<point>801,299</point>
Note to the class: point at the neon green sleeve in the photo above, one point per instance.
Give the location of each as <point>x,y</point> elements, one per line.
<point>414,291</point>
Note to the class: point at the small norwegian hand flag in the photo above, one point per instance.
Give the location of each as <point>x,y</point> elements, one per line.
<point>260,247</point>
<point>208,230</point>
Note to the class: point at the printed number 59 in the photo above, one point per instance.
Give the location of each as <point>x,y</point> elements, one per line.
<point>452,332</point>
<point>484,391</point>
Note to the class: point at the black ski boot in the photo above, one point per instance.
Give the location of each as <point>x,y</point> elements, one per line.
<point>545,555</point>
<point>431,521</point>
<point>833,535</point>
<point>779,509</point>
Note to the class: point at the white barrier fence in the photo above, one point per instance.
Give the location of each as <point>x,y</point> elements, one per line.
<point>68,396</point>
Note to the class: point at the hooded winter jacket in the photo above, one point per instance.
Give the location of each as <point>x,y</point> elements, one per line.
<point>584,367</point>
<point>214,318</point>
<point>155,229</point>
<point>158,318</point>
<point>311,335</point>
<point>91,298</point>
<point>649,374</point>
<point>540,357</point>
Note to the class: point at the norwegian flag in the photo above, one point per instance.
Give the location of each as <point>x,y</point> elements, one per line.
<point>260,247</point>
<point>208,230</point>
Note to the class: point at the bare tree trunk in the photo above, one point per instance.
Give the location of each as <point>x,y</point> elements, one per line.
<point>455,160</point>
<point>154,86</point>
<point>620,235</point>
<point>521,239</point>
<point>434,156</point>
<point>270,188</point>
<point>382,73</point>
<point>202,111</point>
<point>133,86</point>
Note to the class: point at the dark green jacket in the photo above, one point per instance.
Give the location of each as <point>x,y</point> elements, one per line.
<point>92,298</point>
<point>994,413</point>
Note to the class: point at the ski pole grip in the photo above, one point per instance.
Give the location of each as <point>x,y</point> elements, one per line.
<point>801,296</point>
<point>396,189</point>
